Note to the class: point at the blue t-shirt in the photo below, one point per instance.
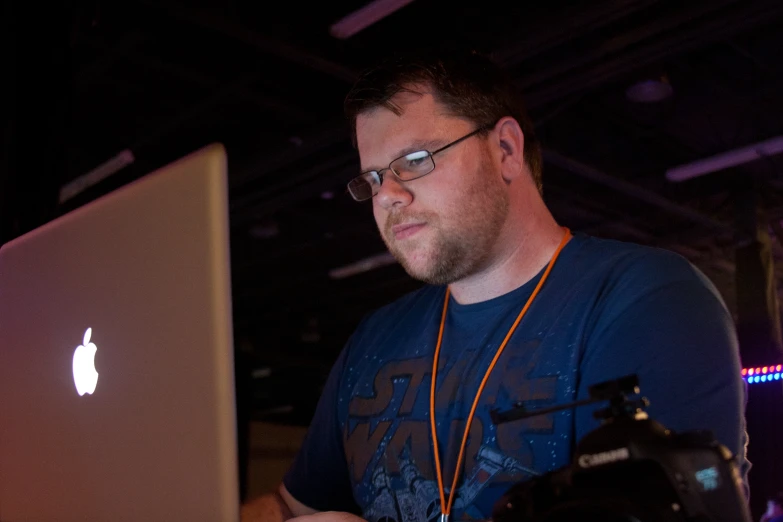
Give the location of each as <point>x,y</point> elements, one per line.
<point>608,309</point>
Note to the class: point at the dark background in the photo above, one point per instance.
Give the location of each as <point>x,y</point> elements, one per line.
<point>84,81</point>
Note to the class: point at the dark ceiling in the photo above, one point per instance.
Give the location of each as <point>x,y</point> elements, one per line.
<point>161,79</point>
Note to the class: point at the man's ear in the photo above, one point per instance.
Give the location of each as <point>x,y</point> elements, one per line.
<point>511,141</point>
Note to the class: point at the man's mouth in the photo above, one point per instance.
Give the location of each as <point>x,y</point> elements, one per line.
<point>406,230</point>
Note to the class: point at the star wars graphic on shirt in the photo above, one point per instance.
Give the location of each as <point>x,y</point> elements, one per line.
<point>388,444</point>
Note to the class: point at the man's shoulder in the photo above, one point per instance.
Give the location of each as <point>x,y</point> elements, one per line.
<point>643,265</point>
<point>624,273</point>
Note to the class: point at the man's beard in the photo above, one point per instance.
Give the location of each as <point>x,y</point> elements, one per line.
<point>461,250</point>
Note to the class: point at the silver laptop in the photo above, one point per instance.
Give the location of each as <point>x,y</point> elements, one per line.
<point>116,359</point>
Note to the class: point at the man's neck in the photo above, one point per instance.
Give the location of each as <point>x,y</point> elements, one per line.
<point>526,255</point>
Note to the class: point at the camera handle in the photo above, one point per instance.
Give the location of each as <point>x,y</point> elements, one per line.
<point>615,391</point>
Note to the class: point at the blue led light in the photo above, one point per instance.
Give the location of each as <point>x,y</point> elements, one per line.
<point>753,379</point>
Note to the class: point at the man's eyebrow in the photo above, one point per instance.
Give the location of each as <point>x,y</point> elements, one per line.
<point>416,146</point>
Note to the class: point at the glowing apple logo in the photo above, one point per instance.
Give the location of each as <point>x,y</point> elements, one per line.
<point>84,375</point>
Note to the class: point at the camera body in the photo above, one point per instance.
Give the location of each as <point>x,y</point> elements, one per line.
<point>632,469</point>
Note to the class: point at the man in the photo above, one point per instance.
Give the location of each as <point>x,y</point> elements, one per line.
<point>774,511</point>
<point>452,169</point>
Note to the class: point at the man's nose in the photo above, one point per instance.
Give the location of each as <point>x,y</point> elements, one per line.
<point>393,193</point>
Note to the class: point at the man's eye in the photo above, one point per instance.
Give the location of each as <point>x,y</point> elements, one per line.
<point>417,159</point>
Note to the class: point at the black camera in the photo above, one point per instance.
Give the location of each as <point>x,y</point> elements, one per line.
<point>630,469</point>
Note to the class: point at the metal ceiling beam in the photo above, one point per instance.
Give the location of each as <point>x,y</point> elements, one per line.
<point>601,70</point>
<point>314,140</point>
<point>620,229</point>
<point>90,72</point>
<point>586,213</point>
<point>763,65</point>
<point>233,30</point>
<point>692,12</point>
<point>635,191</point>
<point>254,254</point>
<point>154,136</point>
<point>199,107</point>
<point>292,189</point>
<point>323,296</point>
<point>563,25</point>
<point>227,89</point>
<point>264,102</point>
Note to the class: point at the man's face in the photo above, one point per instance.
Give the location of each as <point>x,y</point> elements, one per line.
<point>444,226</point>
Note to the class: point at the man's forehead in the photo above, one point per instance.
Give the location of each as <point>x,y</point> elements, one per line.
<point>417,117</point>
<point>404,105</point>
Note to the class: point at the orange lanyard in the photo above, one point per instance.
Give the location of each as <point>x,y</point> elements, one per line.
<point>446,508</point>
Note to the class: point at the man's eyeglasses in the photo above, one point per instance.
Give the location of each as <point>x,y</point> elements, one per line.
<point>405,168</point>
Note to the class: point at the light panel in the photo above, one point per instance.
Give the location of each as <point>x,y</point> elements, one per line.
<point>763,374</point>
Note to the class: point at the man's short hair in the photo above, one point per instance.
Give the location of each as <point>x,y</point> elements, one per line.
<point>469,84</point>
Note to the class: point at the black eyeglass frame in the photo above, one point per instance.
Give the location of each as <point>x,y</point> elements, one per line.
<point>378,174</point>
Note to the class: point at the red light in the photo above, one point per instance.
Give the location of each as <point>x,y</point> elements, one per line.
<point>778,368</point>
<point>764,370</point>
<point>750,372</point>
<point>744,372</point>
<point>758,371</point>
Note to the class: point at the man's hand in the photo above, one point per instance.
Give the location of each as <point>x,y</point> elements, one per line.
<point>329,516</point>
